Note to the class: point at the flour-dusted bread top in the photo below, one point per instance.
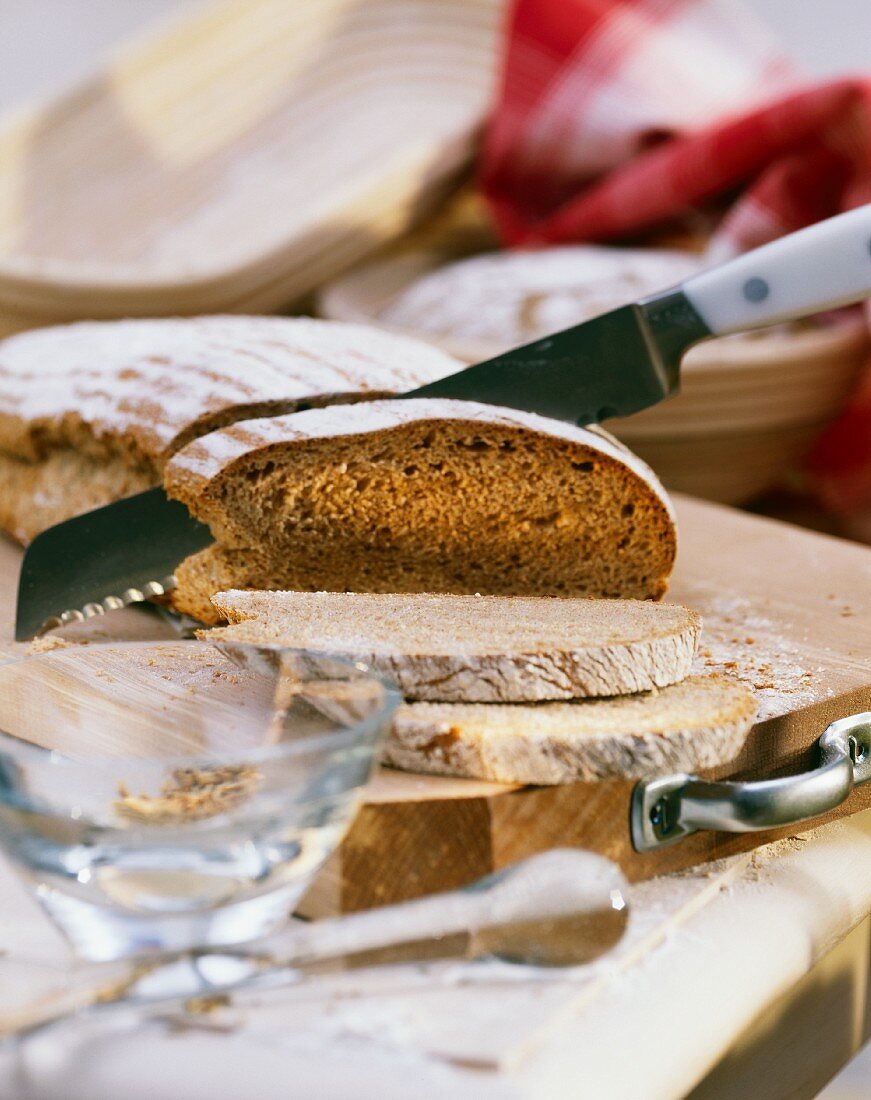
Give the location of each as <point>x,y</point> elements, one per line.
<point>191,470</point>
<point>154,384</point>
<point>498,300</point>
<point>420,495</point>
<point>477,648</point>
<point>701,722</point>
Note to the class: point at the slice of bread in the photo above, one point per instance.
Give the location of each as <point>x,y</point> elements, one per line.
<point>481,649</point>
<point>699,723</point>
<point>90,412</point>
<point>420,495</point>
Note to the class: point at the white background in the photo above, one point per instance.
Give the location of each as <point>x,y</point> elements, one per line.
<point>46,44</point>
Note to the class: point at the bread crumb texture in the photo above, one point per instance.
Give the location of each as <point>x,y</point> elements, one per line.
<point>421,495</point>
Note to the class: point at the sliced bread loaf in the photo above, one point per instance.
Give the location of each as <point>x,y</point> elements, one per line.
<point>90,412</point>
<point>699,723</point>
<point>477,649</point>
<point>420,495</point>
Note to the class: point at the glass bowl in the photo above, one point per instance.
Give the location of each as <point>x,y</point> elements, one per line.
<point>163,796</point>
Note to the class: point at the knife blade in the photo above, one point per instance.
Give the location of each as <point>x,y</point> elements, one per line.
<point>612,365</point>
<point>103,560</point>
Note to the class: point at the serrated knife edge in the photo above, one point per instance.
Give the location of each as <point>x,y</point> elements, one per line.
<point>94,609</point>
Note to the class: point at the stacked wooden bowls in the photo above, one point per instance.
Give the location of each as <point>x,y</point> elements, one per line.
<point>749,408</point>
<point>239,156</point>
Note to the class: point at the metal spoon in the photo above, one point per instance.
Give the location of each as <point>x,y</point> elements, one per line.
<point>561,908</point>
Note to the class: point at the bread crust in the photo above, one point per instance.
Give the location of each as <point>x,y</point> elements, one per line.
<point>483,304</point>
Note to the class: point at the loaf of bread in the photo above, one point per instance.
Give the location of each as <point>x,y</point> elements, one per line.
<point>699,723</point>
<point>485,304</point>
<point>420,495</point>
<point>484,649</point>
<point>90,412</point>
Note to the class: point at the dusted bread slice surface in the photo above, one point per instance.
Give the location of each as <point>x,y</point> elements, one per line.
<point>496,300</point>
<point>421,495</point>
<point>486,649</point>
<point>90,412</point>
<point>699,723</point>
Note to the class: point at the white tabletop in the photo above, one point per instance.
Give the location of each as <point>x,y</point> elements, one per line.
<point>705,953</point>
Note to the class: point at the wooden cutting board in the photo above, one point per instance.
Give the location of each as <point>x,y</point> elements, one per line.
<point>786,611</point>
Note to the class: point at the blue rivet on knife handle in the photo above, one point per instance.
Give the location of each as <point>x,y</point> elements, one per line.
<point>756,290</point>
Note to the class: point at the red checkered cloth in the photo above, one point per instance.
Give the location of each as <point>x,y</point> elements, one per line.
<point>615,117</point>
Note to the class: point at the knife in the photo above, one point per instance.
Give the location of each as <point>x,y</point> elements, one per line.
<point>612,365</point>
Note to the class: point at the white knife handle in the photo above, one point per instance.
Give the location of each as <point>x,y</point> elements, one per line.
<point>818,268</point>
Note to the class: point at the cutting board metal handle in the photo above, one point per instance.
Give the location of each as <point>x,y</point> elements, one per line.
<point>667,809</point>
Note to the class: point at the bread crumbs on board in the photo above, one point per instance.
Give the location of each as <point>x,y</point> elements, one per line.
<point>744,644</point>
<point>190,794</point>
<point>47,643</point>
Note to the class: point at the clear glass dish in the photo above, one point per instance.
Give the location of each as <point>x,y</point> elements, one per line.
<point>163,796</point>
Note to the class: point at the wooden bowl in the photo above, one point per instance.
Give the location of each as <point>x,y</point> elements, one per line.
<point>240,156</point>
<point>727,467</point>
